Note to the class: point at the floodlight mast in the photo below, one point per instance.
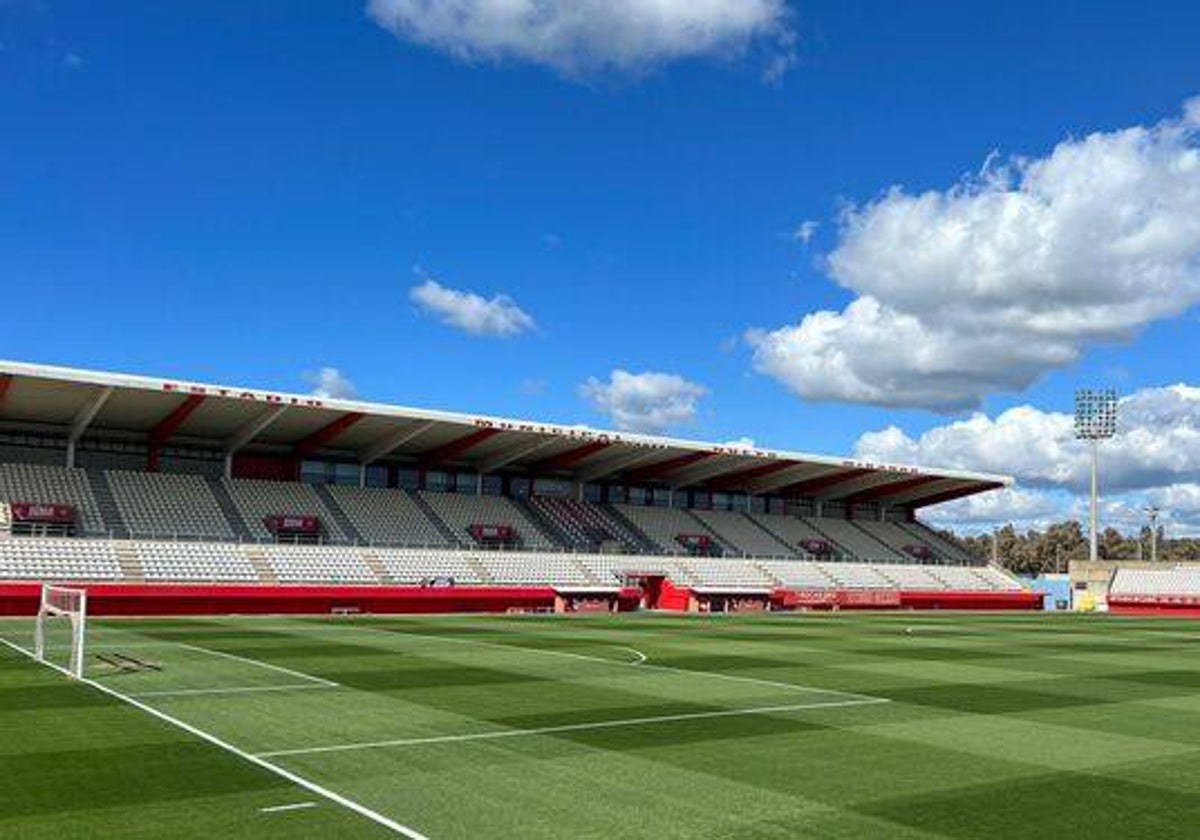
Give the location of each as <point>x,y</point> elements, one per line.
<point>1095,420</point>
<point>1152,512</point>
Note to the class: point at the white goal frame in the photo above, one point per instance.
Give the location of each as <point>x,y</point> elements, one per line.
<point>63,602</point>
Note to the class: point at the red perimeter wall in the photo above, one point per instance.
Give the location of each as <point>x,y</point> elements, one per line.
<point>1179,607</point>
<point>889,599</point>
<point>187,599</point>
<point>190,599</point>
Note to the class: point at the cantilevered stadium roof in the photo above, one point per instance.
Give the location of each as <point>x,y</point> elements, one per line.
<point>69,403</point>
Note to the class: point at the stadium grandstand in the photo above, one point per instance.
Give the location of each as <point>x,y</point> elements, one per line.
<point>161,489</point>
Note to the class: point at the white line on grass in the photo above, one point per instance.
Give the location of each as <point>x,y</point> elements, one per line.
<point>332,796</point>
<point>641,657</point>
<point>247,689</point>
<point>295,806</point>
<point>260,664</point>
<point>570,727</point>
<point>642,665</point>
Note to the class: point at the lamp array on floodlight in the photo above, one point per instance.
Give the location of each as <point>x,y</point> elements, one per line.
<point>1095,413</point>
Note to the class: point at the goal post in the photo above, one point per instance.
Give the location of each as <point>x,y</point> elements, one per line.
<point>59,602</point>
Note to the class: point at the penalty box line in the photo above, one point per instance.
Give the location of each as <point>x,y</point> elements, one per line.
<point>294,778</point>
<point>570,727</point>
<point>641,665</point>
<point>247,660</point>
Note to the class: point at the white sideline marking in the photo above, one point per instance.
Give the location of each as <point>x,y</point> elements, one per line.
<point>188,692</point>
<point>570,727</point>
<point>332,796</point>
<point>642,665</point>
<point>280,669</point>
<point>295,806</point>
<point>641,657</point>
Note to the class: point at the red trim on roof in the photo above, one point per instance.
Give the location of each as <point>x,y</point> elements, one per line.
<point>166,427</point>
<point>889,489</point>
<point>457,447</point>
<point>664,467</point>
<point>326,434</point>
<point>957,493</point>
<point>812,485</point>
<point>734,479</point>
<point>5,383</point>
<point>569,458</point>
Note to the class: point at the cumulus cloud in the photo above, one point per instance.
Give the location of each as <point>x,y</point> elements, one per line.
<point>497,316</point>
<point>1154,459</point>
<point>1157,444</point>
<point>330,383</point>
<point>644,402</point>
<point>1024,508</point>
<point>583,37</point>
<point>988,285</point>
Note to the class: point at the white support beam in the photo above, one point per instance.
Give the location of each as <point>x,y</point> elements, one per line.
<point>791,475</point>
<point>503,459</point>
<point>83,419</point>
<point>705,470</point>
<point>248,432</point>
<point>622,462</point>
<point>392,441</point>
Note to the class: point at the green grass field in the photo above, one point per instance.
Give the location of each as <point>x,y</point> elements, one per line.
<point>850,725</point>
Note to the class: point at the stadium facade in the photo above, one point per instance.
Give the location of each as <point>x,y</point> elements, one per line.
<point>135,482</point>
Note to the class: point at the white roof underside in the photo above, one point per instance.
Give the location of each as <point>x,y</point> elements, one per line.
<point>57,400</point>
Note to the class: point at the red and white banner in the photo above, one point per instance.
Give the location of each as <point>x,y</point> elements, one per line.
<point>37,512</point>
<point>482,531</point>
<point>293,524</point>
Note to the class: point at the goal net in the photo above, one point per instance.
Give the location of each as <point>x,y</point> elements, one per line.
<point>61,627</point>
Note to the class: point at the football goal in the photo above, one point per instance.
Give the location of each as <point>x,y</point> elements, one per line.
<point>62,613</point>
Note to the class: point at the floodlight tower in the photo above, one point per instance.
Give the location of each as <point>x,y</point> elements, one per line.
<point>1095,420</point>
<point>1152,513</point>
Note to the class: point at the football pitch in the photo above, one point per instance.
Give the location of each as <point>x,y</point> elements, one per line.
<point>649,725</point>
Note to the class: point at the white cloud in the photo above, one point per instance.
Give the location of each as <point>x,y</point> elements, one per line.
<point>644,402</point>
<point>741,443</point>
<point>988,285</point>
<point>1024,508</point>
<point>584,37</point>
<point>1157,444</point>
<point>1154,459</point>
<point>330,383</point>
<point>804,232</point>
<point>472,313</point>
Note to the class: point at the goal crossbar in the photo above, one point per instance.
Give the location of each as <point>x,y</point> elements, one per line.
<point>69,603</point>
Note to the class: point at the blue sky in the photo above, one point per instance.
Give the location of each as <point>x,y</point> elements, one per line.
<point>250,193</point>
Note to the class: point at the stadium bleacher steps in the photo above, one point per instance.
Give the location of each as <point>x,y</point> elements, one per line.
<point>339,515</point>
<point>787,550</point>
<point>888,549</point>
<point>114,523</point>
<point>593,580</point>
<point>377,568</point>
<point>631,533</point>
<point>841,550</point>
<point>727,548</point>
<point>130,561</point>
<point>262,566</point>
<point>760,568</point>
<point>480,570</point>
<point>452,539</point>
<point>948,550</point>
<point>549,530</point>
<point>232,515</point>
